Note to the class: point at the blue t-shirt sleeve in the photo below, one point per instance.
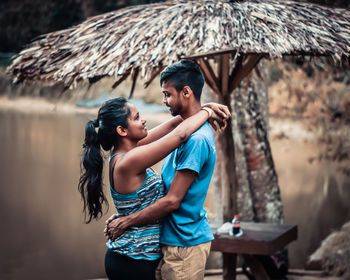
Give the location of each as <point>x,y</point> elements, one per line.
<point>193,154</point>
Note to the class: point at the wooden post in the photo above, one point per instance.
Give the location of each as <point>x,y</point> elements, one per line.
<point>223,84</point>
<point>228,146</point>
<point>225,72</point>
<point>209,75</point>
<point>256,267</point>
<point>226,140</point>
<point>229,266</point>
<point>243,69</point>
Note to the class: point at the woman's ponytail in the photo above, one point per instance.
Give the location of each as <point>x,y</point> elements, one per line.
<point>90,182</point>
<point>112,114</point>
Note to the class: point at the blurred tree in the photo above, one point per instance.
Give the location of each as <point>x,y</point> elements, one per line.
<point>20,21</point>
<point>318,92</point>
<point>23,20</point>
<point>332,3</point>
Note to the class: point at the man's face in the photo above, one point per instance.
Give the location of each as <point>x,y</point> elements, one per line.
<point>171,98</point>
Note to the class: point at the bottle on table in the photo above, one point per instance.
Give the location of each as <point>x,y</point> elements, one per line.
<point>236,226</point>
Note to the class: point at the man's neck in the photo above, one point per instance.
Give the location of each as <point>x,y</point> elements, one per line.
<point>192,109</point>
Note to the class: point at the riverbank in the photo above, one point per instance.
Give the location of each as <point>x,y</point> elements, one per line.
<point>279,128</point>
<point>39,105</point>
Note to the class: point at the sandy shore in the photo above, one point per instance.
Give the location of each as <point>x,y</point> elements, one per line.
<point>41,105</point>
<point>279,127</point>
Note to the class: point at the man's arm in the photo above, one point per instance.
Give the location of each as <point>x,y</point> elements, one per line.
<point>177,191</point>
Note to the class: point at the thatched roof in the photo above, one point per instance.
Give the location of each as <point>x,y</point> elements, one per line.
<point>142,39</point>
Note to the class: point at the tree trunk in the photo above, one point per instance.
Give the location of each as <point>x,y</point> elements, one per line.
<point>251,106</point>
<point>245,178</point>
<point>244,156</point>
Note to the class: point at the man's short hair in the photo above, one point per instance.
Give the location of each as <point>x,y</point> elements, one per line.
<point>184,73</point>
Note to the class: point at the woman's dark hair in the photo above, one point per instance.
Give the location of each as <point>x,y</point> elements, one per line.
<point>184,73</point>
<point>113,113</point>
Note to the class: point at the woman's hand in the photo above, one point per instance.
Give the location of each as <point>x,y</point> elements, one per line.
<point>219,109</point>
<point>220,116</point>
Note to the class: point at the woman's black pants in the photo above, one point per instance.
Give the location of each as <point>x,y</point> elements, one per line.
<point>120,267</point>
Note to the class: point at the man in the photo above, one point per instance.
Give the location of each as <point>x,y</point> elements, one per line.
<point>186,235</point>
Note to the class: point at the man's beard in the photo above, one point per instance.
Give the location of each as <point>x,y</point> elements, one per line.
<point>174,113</point>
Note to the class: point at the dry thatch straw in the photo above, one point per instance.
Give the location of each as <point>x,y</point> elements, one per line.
<point>142,39</point>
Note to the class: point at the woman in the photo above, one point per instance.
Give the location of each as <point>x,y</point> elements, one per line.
<point>133,185</point>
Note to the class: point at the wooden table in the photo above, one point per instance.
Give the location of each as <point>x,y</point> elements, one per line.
<point>257,239</point>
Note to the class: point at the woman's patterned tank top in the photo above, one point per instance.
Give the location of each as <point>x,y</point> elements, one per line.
<point>139,242</point>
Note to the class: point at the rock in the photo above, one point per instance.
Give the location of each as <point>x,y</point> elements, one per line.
<point>333,256</point>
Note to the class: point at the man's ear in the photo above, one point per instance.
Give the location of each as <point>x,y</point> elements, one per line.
<point>187,91</point>
<point>121,130</point>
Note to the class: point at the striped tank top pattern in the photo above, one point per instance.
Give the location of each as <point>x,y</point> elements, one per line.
<point>139,242</point>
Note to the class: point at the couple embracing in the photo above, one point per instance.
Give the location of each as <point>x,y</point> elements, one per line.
<point>160,230</point>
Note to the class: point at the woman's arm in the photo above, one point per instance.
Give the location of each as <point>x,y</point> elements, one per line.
<point>160,130</point>
<point>221,112</point>
<point>142,157</point>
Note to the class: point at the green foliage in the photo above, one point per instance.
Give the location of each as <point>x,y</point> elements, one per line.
<point>318,93</point>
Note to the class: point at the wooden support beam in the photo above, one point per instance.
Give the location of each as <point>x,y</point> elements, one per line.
<point>225,69</point>
<point>229,264</point>
<point>226,139</point>
<point>237,68</point>
<point>218,60</point>
<point>153,75</point>
<point>244,69</point>
<point>117,83</point>
<point>134,75</point>
<point>95,79</point>
<point>209,75</point>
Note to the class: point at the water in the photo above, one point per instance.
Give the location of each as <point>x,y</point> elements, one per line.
<point>43,235</point>
<point>315,195</point>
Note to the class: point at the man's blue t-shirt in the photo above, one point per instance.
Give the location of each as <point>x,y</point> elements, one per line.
<point>188,225</point>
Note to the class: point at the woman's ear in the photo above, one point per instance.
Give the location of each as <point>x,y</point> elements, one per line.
<point>121,130</point>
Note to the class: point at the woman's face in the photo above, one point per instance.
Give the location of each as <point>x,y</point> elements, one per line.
<point>136,125</point>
